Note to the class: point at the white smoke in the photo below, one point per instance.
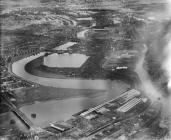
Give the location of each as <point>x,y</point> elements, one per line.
<point>167,62</point>
<point>161,48</point>
<point>167,68</point>
<point>147,86</point>
<point>167,50</point>
<point>169,8</point>
<point>159,34</point>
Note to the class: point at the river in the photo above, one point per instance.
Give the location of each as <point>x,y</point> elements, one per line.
<point>62,110</point>
<point>57,110</point>
<point>18,68</point>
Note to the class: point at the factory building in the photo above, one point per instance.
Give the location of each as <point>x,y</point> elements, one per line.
<point>90,116</point>
<point>59,127</point>
<point>128,96</point>
<point>129,105</point>
<point>123,98</point>
<point>102,110</point>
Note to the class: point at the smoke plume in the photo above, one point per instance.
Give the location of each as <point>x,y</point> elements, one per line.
<point>157,42</point>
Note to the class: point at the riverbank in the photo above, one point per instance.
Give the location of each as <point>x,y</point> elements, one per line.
<point>46,93</point>
<point>43,94</point>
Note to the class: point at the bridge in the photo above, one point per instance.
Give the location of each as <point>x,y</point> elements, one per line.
<point>22,117</point>
<point>17,112</point>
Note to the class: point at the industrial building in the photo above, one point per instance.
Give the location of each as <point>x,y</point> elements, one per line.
<point>126,96</point>
<point>129,105</point>
<point>52,130</point>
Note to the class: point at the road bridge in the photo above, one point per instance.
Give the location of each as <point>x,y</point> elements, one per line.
<point>17,112</point>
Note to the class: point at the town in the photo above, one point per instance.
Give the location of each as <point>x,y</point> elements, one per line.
<point>84,70</point>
